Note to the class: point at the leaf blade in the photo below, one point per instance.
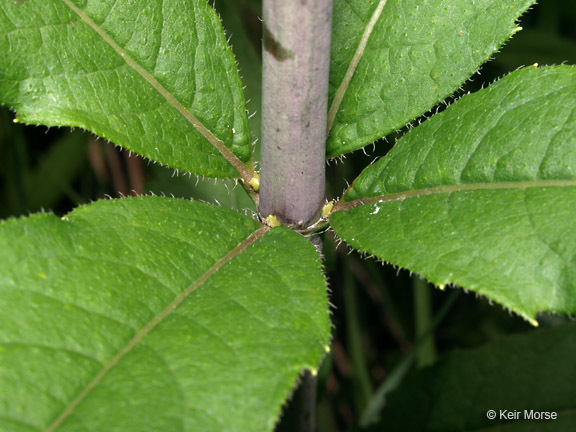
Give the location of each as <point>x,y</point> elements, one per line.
<point>414,57</point>
<point>465,198</point>
<point>522,372</point>
<point>187,369</point>
<point>118,71</point>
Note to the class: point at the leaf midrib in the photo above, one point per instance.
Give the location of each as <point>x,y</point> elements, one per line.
<point>414,193</point>
<point>144,331</point>
<point>244,172</point>
<point>341,91</point>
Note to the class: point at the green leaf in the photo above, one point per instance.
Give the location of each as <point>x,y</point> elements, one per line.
<point>241,23</point>
<point>226,193</point>
<point>482,195</point>
<point>394,60</point>
<point>156,78</point>
<point>154,314</point>
<point>533,372</point>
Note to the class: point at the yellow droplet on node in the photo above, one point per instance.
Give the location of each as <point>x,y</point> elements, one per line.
<point>255,182</point>
<point>327,208</point>
<point>442,287</point>
<point>272,221</point>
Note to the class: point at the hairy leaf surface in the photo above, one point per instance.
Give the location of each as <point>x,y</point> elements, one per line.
<point>154,314</point>
<point>482,195</point>
<point>246,46</point>
<point>520,374</point>
<point>394,60</point>
<point>156,78</point>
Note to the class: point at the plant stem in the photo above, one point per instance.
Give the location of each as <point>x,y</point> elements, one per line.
<point>393,380</point>
<point>354,335</point>
<point>423,321</point>
<point>296,60</point>
<point>300,413</point>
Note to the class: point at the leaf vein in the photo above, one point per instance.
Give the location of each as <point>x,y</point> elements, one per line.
<point>341,91</point>
<point>76,305</point>
<point>244,172</point>
<point>414,193</point>
<point>146,329</point>
<point>547,245</point>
